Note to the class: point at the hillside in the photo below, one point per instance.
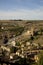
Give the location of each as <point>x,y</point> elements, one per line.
<point>19,28</point>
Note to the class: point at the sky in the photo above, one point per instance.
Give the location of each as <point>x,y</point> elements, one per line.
<point>21,9</point>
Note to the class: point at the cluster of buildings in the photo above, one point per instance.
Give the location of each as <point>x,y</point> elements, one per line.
<point>24,50</point>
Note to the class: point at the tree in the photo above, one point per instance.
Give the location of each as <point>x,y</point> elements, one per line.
<point>5,39</point>
<point>40,59</point>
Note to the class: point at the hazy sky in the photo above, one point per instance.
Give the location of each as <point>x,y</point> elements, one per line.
<point>21,9</point>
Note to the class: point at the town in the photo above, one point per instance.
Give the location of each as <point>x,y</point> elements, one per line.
<point>21,42</point>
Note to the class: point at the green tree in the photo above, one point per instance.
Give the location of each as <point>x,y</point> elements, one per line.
<point>40,59</point>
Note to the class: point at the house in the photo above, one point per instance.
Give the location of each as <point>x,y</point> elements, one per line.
<point>27,43</point>
<point>12,42</point>
<point>36,58</point>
